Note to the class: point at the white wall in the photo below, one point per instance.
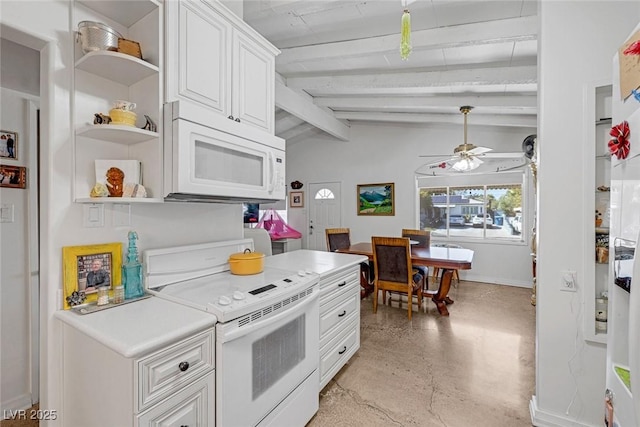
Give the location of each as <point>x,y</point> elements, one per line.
<point>19,68</point>
<point>390,153</point>
<point>577,43</point>
<point>15,387</point>
<point>45,25</point>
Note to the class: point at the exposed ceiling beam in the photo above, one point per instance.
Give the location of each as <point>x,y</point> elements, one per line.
<point>306,110</point>
<point>296,132</point>
<point>286,123</point>
<point>499,31</point>
<point>484,119</point>
<point>519,103</point>
<point>493,79</point>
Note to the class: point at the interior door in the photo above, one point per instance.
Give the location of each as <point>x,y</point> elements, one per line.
<point>325,207</point>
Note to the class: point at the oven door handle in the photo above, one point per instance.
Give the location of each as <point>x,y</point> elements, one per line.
<point>244,330</point>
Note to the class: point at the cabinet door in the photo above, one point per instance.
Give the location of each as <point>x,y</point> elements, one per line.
<point>191,406</point>
<point>198,65</point>
<point>253,83</point>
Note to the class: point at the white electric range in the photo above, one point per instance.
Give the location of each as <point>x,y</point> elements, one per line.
<point>267,336</point>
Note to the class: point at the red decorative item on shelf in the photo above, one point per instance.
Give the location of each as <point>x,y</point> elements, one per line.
<point>620,145</point>
<point>633,49</point>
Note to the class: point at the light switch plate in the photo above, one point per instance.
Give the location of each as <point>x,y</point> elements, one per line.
<point>93,215</point>
<point>121,215</point>
<point>6,212</point>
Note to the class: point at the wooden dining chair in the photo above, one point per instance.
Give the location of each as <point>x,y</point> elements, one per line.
<point>393,270</point>
<point>340,238</point>
<point>423,237</point>
<point>337,238</point>
<point>436,270</point>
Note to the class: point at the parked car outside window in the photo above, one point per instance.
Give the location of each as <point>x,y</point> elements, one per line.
<point>477,220</point>
<point>456,220</point>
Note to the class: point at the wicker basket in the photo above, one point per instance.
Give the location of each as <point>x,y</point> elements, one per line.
<point>96,36</point>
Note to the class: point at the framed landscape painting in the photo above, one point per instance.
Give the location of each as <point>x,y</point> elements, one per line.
<point>376,199</point>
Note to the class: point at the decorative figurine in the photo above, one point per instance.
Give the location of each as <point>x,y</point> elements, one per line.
<point>76,298</point>
<point>115,178</point>
<point>150,125</point>
<point>99,190</point>
<point>134,190</point>
<point>132,270</point>
<point>101,119</point>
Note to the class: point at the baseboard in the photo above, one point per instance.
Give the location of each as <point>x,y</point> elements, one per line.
<point>495,280</point>
<point>17,403</point>
<point>543,419</point>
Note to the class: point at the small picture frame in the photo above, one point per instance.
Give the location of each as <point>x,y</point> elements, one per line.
<point>376,199</point>
<point>8,145</point>
<point>86,268</point>
<point>13,176</point>
<point>296,199</point>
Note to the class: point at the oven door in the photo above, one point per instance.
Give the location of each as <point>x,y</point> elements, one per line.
<point>262,362</point>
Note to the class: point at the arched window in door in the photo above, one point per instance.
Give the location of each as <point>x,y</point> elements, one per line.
<point>324,193</point>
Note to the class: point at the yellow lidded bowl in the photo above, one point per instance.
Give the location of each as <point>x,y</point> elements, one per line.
<point>122,117</point>
<point>247,262</point>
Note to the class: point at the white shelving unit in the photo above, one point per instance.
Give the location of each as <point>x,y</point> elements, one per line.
<point>102,77</point>
<point>597,185</point>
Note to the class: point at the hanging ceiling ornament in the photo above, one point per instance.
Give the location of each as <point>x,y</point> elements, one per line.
<point>405,33</point>
<point>620,145</point>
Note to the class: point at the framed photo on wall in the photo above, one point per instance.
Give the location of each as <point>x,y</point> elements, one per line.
<point>376,199</point>
<point>13,176</point>
<point>296,199</point>
<point>8,145</point>
<point>86,268</point>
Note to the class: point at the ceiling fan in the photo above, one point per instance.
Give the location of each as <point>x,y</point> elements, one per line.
<point>467,157</point>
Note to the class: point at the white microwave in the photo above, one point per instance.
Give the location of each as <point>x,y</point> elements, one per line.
<point>210,159</point>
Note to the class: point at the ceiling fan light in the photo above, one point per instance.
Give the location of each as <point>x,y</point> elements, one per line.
<point>465,164</point>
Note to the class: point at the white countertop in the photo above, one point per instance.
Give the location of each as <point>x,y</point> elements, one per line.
<point>139,327</point>
<point>320,262</point>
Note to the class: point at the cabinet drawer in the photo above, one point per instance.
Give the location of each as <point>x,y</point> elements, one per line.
<point>326,339</point>
<point>330,288</point>
<point>338,314</point>
<point>338,353</point>
<point>163,372</point>
<point>189,407</point>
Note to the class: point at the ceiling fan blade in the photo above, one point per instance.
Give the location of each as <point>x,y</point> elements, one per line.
<point>436,168</point>
<point>513,155</point>
<point>479,150</point>
<point>506,164</point>
<point>442,156</point>
<point>475,162</point>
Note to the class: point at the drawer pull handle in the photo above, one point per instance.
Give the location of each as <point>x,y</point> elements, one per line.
<point>343,313</point>
<point>237,120</point>
<point>230,117</point>
<point>183,366</point>
<point>342,284</point>
<point>343,349</point>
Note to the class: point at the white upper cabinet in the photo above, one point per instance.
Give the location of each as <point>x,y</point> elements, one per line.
<point>216,60</point>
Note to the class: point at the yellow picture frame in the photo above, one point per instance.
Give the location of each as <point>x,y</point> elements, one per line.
<point>78,263</point>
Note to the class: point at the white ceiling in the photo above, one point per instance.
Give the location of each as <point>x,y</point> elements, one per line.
<point>340,62</point>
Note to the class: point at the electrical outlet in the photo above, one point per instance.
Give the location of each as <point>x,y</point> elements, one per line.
<point>568,281</point>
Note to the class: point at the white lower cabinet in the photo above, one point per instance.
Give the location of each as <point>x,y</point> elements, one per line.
<point>172,386</point>
<point>339,321</point>
<point>190,407</point>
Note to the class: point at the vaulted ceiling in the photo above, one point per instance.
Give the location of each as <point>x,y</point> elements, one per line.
<point>340,62</point>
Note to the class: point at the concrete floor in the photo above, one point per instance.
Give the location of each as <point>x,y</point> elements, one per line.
<point>473,368</point>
